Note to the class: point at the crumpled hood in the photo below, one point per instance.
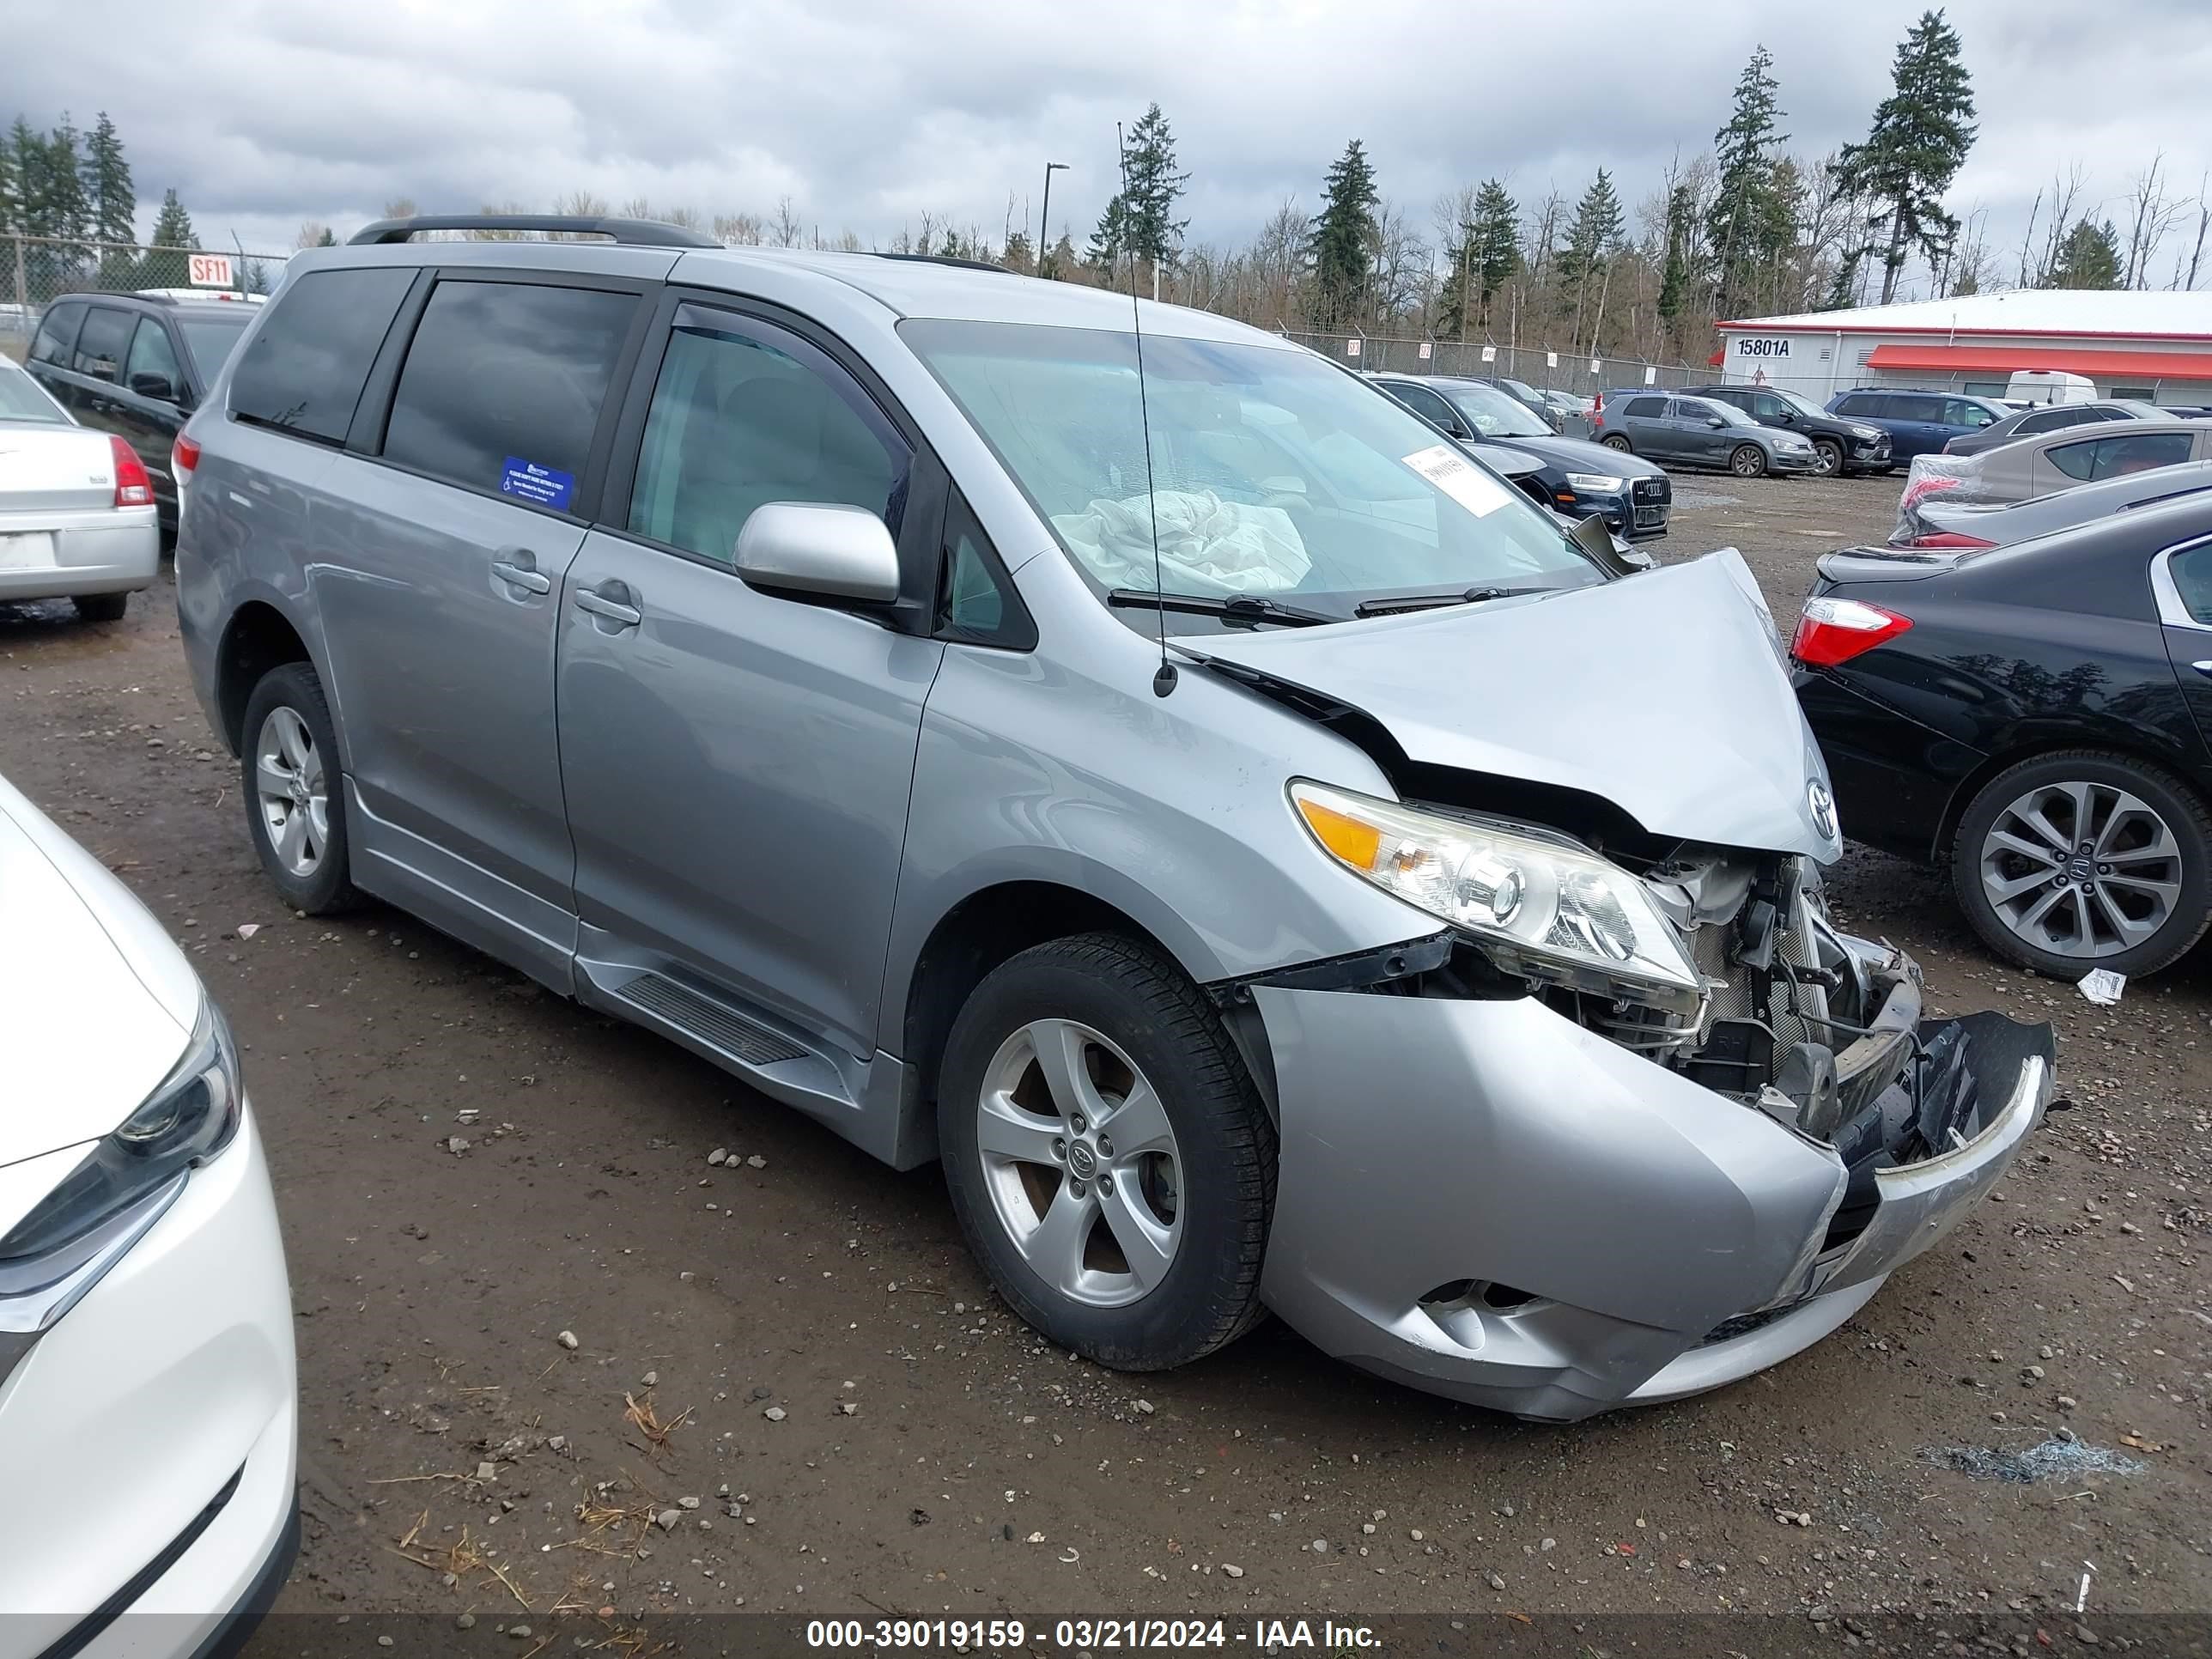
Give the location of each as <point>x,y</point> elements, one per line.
<point>96,1004</point>
<point>1663,693</point>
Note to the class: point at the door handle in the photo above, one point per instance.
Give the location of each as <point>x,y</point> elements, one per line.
<point>2203,668</point>
<point>612,610</point>
<point>521,576</point>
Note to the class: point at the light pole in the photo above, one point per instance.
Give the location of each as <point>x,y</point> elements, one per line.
<point>1044,218</point>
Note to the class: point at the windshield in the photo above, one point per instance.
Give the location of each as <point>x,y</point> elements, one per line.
<point>1275,474</point>
<point>1803,405</point>
<point>22,400</point>
<point>2142,411</point>
<point>1494,415</point>
<point>211,342</point>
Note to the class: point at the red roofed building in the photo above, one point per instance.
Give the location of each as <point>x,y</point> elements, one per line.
<point>2154,345</point>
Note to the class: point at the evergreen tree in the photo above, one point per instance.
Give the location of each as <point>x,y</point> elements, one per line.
<point>1595,233</point>
<point>1746,226</point>
<point>1844,291</point>
<point>1922,132</point>
<point>1495,234</point>
<point>2088,258</point>
<point>1484,254</point>
<point>68,208</point>
<point>1340,252</point>
<point>1140,218</point>
<point>106,177</point>
<point>1059,258</point>
<point>1674,275</point>
<point>172,229</point>
<point>6,187</point>
<point>327,240</point>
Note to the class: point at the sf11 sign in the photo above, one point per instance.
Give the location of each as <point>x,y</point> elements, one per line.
<point>210,271</point>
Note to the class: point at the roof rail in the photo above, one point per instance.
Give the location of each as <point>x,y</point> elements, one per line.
<point>947,259</point>
<point>629,232</point>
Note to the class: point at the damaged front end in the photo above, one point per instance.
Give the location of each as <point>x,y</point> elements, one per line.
<point>1653,1122</point>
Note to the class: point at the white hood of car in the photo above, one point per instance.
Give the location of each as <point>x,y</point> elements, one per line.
<point>96,1003</point>
<point>1664,693</point>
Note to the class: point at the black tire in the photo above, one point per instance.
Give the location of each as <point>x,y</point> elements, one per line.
<point>1615,441</point>
<point>100,607</point>
<point>2183,813</point>
<point>1747,461</point>
<point>1831,458</point>
<point>328,887</point>
<point>1209,1294</point>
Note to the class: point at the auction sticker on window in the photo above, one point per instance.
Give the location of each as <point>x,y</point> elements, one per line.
<point>542,486</point>
<point>1461,479</point>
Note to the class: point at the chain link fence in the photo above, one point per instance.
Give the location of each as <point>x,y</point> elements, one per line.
<point>36,271</point>
<point>1547,370</point>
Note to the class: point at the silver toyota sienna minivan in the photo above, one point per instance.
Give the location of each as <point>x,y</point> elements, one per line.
<point>1103,747</point>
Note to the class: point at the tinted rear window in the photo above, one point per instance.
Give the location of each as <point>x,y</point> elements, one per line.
<point>101,347</point>
<point>56,332</point>
<point>508,377</point>
<point>1646,408</point>
<point>305,369</point>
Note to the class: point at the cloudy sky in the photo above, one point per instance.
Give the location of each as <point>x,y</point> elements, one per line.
<point>867,113</point>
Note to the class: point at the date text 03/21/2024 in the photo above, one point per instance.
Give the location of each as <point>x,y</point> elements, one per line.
<point>1094,1635</point>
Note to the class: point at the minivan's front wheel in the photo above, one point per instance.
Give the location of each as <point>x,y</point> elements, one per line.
<point>1747,460</point>
<point>293,804</point>
<point>1111,1161</point>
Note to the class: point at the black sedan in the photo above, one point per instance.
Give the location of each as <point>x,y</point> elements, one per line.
<point>2035,716</point>
<point>1573,475</point>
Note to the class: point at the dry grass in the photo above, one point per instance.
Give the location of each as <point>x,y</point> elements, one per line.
<point>641,1416</point>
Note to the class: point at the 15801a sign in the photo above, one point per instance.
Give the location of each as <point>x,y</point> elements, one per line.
<point>1747,346</point>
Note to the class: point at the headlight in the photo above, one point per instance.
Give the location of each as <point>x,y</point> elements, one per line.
<point>1538,904</point>
<point>191,1116</point>
<point>1598,483</point>
<point>1866,432</point>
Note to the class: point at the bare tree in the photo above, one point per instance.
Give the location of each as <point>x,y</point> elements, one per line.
<point>2064,192</point>
<point>2203,220</point>
<point>785,233</point>
<point>2152,218</point>
<point>400,206</point>
<point>736,229</point>
<point>310,234</point>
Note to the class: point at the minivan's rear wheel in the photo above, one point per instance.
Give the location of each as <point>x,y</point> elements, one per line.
<point>1827,458</point>
<point>2078,860</point>
<point>1109,1158</point>
<point>294,802</point>
<point>1747,460</point>
<point>1614,441</point>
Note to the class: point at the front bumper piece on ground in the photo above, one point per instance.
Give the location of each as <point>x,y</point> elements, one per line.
<point>1485,1200</point>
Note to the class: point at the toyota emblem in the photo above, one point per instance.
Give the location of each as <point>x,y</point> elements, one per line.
<point>1824,807</point>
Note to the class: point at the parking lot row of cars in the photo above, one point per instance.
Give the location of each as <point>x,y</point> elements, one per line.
<point>1101,772</point>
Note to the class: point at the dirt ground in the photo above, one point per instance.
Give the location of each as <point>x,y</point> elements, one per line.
<point>789,1389</point>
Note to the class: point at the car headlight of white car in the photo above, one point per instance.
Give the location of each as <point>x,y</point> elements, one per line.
<point>1538,904</point>
<point>1597,483</point>
<point>191,1117</point>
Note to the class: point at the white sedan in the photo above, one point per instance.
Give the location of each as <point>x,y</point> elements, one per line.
<point>146,1364</point>
<point>77,508</point>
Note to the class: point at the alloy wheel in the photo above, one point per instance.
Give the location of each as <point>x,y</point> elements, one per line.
<point>1081,1163</point>
<point>291,792</point>
<point>1746,462</point>
<point>1827,459</point>
<point>2082,870</point>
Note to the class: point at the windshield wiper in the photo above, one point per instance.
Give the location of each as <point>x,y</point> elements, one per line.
<point>1235,607</point>
<point>1435,601</point>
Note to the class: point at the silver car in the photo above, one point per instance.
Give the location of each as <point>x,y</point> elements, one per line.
<point>1151,773</point>
<point>2029,468</point>
<point>77,507</point>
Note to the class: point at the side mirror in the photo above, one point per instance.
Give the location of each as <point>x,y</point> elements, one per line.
<point>155,386</point>
<point>1789,417</point>
<point>814,547</point>
<point>1715,422</point>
